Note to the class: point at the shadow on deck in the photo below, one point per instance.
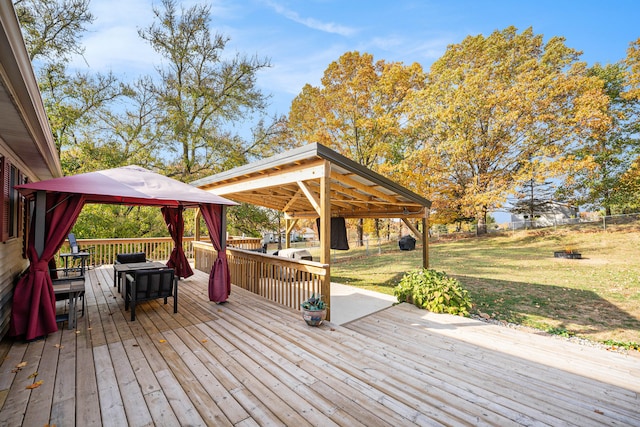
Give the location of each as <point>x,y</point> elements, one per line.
<point>253,362</point>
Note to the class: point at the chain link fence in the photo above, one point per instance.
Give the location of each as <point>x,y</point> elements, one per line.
<point>585,221</point>
<point>376,246</point>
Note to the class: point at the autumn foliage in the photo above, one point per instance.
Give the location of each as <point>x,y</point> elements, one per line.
<point>493,112</point>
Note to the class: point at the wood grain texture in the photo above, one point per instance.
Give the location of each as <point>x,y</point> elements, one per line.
<point>252,362</point>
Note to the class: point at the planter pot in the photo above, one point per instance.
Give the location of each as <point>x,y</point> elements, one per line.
<point>314,317</point>
<point>569,255</point>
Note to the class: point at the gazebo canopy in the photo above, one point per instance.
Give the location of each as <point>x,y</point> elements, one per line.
<point>129,185</point>
<point>290,183</point>
<point>58,203</point>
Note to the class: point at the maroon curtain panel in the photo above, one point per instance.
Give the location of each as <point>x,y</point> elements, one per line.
<point>219,278</point>
<point>175,224</point>
<point>33,312</point>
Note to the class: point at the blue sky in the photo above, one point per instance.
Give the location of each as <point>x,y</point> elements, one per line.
<point>301,38</point>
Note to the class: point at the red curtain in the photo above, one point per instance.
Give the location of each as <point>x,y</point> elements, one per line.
<point>34,304</point>
<point>219,278</point>
<point>175,224</point>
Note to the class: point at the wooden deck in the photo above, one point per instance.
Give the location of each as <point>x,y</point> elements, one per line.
<point>253,362</point>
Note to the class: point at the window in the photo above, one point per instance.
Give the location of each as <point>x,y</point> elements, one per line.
<point>12,206</point>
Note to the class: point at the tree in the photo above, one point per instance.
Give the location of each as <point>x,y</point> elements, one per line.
<point>626,198</point>
<point>199,91</point>
<point>52,29</point>
<point>533,200</point>
<point>632,63</point>
<point>492,103</point>
<point>605,156</point>
<point>73,102</point>
<point>246,219</point>
<point>359,109</point>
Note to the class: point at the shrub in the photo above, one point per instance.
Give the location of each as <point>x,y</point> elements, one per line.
<point>433,291</point>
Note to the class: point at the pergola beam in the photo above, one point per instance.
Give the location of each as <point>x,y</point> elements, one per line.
<point>313,199</point>
<point>273,179</point>
<point>413,229</point>
<point>343,178</point>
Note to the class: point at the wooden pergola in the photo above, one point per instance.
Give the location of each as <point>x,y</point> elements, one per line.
<point>316,182</point>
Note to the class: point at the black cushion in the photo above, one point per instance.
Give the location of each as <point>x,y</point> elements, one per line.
<point>131,258</point>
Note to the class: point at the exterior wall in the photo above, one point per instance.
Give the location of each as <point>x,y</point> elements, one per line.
<point>26,142</point>
<point>11,249</point>
<point>559,214</point>
<point>10,268</point>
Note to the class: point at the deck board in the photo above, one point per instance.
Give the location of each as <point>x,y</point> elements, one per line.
<point>252,362</point>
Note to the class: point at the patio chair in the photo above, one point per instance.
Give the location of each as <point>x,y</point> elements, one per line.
<point>126,258</point>
<point>68,289</point>
<point>75,249</point>
<point>147,285</point>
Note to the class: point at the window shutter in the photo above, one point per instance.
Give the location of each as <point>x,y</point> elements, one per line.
<point>21,212</point>
<point>26,209</point>
<point>5,205</point>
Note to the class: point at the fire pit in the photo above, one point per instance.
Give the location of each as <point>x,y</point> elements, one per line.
<point>567,254</point>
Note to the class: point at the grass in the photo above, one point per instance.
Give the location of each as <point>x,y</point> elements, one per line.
<point>515,278</point>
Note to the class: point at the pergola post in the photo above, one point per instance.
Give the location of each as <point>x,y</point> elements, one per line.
<point>325,232</point>
<point>424,235</point>
<point>425,239</point>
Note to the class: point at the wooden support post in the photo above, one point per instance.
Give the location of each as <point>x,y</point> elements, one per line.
<point>40,212</point>
<point>223,228</point>
<point>196,232</point>
<point>325,232</point>
<point>289,224</point>
<point>425,239</point>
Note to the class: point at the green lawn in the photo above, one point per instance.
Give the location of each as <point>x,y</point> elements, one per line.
<point>517,279</point>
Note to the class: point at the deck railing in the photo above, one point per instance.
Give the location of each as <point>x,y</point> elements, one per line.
<point>104,251</point>
<point>285,281</point>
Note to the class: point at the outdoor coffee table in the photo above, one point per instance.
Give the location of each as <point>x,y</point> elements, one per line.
<point>120,270</point>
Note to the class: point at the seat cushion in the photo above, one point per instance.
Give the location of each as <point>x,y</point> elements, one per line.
<point>131,258</point>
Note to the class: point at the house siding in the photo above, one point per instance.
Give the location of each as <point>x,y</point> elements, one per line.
<point>26,143</point>
<point>12,254</point>
<point>12,265</point>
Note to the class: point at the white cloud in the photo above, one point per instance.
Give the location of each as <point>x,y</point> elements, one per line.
<point>117,49</point>
<point>112,42</point>
<point>290,72</point>
<point>327,27</point>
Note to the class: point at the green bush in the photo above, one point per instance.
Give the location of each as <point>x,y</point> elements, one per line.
<point>433,291</point>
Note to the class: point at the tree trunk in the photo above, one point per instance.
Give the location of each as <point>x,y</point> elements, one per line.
<point>360,228</point>
<point>482,221</point>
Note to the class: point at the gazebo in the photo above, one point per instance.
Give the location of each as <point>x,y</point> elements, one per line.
<point>57,204</point>
<point>315,181</point>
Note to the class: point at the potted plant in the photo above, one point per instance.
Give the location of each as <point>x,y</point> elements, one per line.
<point>314,310</point>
